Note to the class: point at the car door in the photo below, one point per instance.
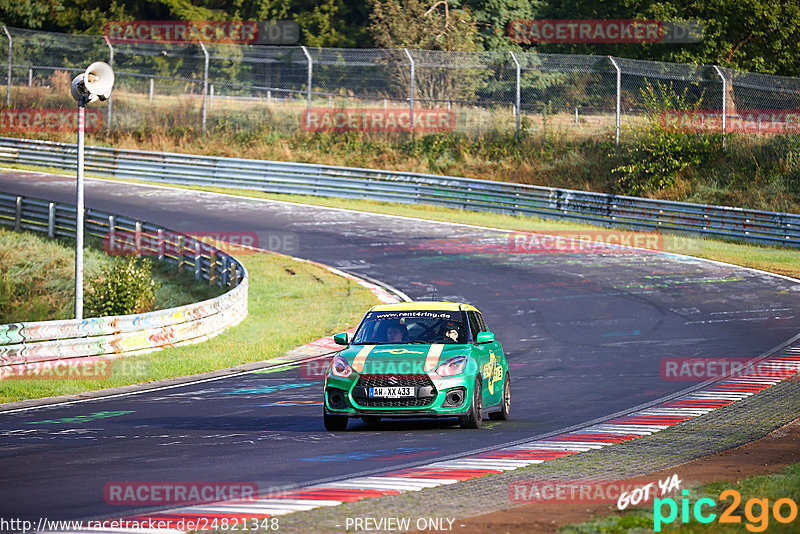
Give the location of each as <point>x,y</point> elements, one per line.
<point>493,370</point>
<point>481,354</point>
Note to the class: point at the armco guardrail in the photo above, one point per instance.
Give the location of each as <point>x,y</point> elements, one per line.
<point>467,193</point>
<point>25,344</point>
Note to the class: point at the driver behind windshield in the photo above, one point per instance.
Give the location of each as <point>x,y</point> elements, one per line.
<point>396,333</point>
<point>449,332</point>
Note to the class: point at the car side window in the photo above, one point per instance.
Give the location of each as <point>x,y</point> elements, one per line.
<point>484,328</point>
<point>474,323</point>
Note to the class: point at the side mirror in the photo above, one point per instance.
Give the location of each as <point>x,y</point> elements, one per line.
<point>343,338</point>
<point>484,337</point>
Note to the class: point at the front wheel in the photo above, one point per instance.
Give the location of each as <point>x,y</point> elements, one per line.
<point>473,418</point>
<point>334,423</point>
<point>502,415</point>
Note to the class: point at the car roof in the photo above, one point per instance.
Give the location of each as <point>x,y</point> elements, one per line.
<point>433,305</point>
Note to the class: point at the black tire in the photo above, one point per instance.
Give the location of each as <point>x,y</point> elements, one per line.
<point>474,417</point>
<point>334,423</point>
<point>503,414</point>
<point>371,419</point>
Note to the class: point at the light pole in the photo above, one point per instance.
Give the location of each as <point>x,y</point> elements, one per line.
<point>94,84</point>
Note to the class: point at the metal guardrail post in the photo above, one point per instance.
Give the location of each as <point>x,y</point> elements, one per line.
<point>112,233</point>
<point>197,258</point>
<point>724,102</point>
<point>308,86</point>
<point>411,89</point>
<point>181,258</point>
<point>8,80</point>
<point>619,95</point>
<point>517,108</point>
<point>111,64</point>
<point>212,268</point>
<point>138,239</point>
<point>205,87</point>
<point>160,245</point>
<point>51,220</point>
<point>18,215</point>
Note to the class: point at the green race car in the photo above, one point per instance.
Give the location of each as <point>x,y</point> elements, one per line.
<point>418,359</point>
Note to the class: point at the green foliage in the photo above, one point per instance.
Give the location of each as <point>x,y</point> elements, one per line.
<point>757,35</point>
<point>125,287</point>
<point>658,155</point>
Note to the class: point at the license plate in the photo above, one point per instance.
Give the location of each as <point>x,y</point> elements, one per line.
<point>391,392</point>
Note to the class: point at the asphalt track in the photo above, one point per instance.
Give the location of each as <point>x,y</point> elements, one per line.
<point>584,333</point>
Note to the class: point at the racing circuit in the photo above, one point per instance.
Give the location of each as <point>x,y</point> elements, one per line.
<point>584,335</point>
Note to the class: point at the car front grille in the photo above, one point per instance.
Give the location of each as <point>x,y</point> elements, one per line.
<point>415,381</point>
<point>376,381</point>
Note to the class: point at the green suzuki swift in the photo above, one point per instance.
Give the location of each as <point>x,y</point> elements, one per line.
<point>418,359</point>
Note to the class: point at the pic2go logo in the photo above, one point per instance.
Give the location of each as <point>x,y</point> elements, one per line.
<point>783,510</point>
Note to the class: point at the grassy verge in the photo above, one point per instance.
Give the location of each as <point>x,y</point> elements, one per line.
<point>37,278</point>
<point>772,259</point>
<point>783,485</point>
<point>290,303</point>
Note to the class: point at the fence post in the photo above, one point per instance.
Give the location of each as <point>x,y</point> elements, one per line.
<point>308,87</point>
<point>30,77</point>
<point>205,86</point>
<point>619,95</point>
<point>137,239</point>
<point>516,108</point>
<point>181,259</point>
<point>8,80</point>
<point>412,88</point>
<point>724,102</point>
<point>18,215</point>
<point>151,90</point>
<point>112,234</point>
<point>211,97</point>
<point>51,220</point>
<point>111,64</point>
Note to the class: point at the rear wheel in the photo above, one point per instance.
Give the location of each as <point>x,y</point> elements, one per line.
<point>502,415</point>
<point>334,422</point>
<point>473,418</point>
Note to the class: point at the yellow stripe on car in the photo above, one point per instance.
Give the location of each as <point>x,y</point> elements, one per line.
<point>432,359</point>
<point>361,357</point>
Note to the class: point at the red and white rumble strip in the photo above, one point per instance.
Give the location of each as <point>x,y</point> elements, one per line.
<point>784,365</point>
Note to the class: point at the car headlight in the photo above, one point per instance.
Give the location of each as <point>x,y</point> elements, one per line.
<point>453,366</point>
<point>339,367</point>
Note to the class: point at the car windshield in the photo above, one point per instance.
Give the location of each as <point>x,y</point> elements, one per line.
<point>418,326</point>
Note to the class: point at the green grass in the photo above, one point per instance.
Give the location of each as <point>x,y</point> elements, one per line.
<point>290,303</point>
<point>37,278</point>
<point>785,484</point>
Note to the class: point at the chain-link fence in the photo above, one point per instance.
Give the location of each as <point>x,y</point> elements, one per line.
<point>244,87</point>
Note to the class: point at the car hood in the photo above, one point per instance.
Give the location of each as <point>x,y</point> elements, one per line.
<point>401,358</point>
